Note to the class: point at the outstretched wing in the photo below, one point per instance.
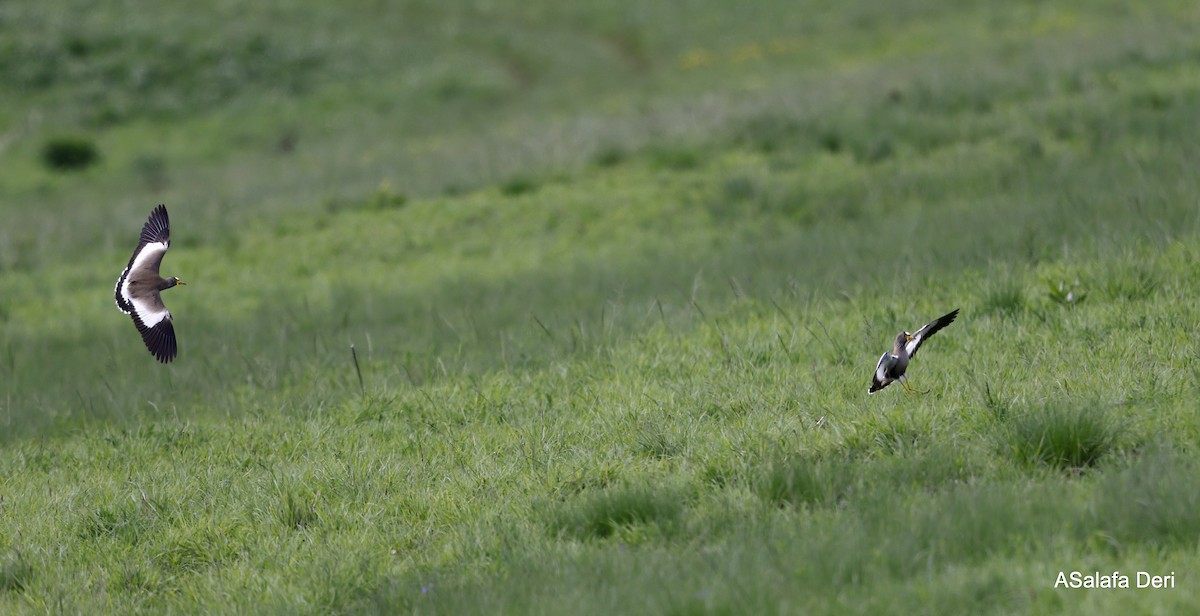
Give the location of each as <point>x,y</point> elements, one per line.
<point>153,322</point>
<point>155,239</point>
<point>880,379</point>
<point>925,332</point>
<point>137,290</point>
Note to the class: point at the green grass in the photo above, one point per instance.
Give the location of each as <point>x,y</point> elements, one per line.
<point>1067,438</point>
<point>615,281</point>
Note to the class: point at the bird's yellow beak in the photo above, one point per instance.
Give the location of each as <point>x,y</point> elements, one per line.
<point>180,282</point>
<point>906,336</point>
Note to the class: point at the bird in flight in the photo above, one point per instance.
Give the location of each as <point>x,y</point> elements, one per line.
<point>891,366</point>
<point>139,288</point>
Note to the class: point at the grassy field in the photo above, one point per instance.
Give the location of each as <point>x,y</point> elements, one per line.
<point>616,277</point>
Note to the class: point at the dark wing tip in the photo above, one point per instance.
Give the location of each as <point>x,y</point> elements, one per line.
<point>158,226</point>
<point>932,328</point>
<point>946,319</point>
<point>941,322</point>
<point>160,340</point>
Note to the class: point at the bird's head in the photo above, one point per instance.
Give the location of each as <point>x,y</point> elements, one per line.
<point>174,281</point>
<point>902,338</point>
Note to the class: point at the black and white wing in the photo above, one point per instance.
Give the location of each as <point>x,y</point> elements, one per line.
<point>137,291</point>
<point>160,340</point>
<point>925,332</point>
<point>880,379</point>
<point>153,322</point>
<point>155,239</point>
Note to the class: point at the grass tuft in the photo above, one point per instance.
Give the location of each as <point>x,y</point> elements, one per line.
<point>70,153</point>
<point>16,573</point>
<point>997,407</point>
<point>127,523</point>
<point>654,441</point>
<point>609,156</point>
<point>1005,298</point>
<point>1062,436</point>
<point>1153,499</point>
<point>518,185</point>
<point>830,140</point>
<point>892,433</point>
<point>603,514</point>
<point>799,481</point>
<point>135,579</point>
<point>1131,283</point>
<point>676,158</point>
<point>297,509</point>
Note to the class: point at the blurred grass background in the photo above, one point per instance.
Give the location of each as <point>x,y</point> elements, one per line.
<point>616,275</point>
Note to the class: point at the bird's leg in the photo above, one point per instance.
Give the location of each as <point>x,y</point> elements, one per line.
<point>909,388</point>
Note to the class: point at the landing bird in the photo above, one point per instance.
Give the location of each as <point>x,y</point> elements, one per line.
<point>139,287</point>
<point>892,365</point>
